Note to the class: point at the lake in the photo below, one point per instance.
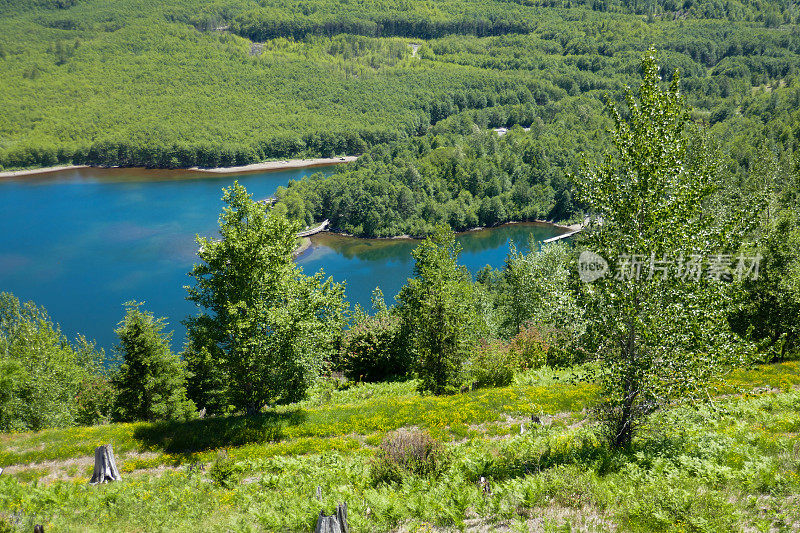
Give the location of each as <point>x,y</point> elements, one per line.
<point>83,242</point>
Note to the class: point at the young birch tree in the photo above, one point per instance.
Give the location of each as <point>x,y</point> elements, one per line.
<point>657,317</point>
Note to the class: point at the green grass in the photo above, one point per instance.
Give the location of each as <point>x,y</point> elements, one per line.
<point>731,464</point>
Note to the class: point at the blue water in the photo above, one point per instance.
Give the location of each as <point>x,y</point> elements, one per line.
<point>365,264</point>
<point>83,242</point>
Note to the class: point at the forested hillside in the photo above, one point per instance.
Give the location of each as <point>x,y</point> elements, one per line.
<point>643,377</point>
<point>143,82</point>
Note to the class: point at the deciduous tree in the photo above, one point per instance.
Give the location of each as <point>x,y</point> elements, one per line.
<point>40,371</point>
<point>657,319</point>
<point>264,329</point>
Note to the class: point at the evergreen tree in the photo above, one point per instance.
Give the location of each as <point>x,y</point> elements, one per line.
<point>439,312</point>
<point>151,381</point>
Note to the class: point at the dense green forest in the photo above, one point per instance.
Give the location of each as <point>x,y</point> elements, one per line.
<point>463,175</point>
<point>141,82</point>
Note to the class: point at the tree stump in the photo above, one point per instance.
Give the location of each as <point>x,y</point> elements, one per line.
<point>336,523</point>
<point>105,467</point>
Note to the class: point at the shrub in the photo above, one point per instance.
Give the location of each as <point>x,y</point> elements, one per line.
<point>95,400</point>
<point>40,371</point>
<point>536,345</point>
<point>407,452</point>
<point>224,471</point>
<point>6,526</point>
<point>493,364</point>
<point>531,346</point>
<point>371,349</point>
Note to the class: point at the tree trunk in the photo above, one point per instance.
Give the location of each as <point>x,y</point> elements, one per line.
<point>333,524</point>
<point>105,467</point>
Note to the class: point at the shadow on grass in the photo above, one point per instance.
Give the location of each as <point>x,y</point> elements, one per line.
<point>589,453</point>
<point>210,433</point>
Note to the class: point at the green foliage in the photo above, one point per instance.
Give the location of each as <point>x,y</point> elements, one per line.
<point>151,381</point>
<point>438,309</point>
<point>534,288</point>
<point>493,364</point>
<point>372,348</point>
<point>41,373</point>
<point>224,471</point>
<point>496,362</point>
<point>95,400</point>
<point>768,308</point>
<point>721,467</point>
<point>464,179</point>
<point>659,338</point>
<point>265,329</point>
<point>184,83</point>
<point>539,345</point>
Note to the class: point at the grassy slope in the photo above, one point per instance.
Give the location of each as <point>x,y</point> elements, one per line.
<point>731,464</point>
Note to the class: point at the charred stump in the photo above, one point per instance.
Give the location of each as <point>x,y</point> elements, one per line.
<point>105,467</point>
<point>336,523</point>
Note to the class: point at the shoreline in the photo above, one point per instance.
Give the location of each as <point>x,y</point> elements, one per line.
<point>305,244</point>
<point>264,166</point>
<point>567,229</point>
<point>278,165</point>
<point>34,171</point>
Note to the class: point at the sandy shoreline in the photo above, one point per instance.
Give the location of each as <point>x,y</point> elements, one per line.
<point>567,229</point>
<point>44,170</point>
<point>255,167</point>
<point>278,165</point>
<point>305,244</point>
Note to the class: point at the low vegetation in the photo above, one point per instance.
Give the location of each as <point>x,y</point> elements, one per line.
<point>730,464</point>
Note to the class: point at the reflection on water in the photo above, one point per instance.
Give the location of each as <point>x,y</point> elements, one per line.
<point>82,242</point>
<point>387,263</point>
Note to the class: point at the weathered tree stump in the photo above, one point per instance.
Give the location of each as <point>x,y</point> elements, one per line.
<point>336,523</point>
<point>105,467</point>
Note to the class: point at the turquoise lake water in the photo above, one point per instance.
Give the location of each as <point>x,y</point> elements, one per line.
<point>82,242</point>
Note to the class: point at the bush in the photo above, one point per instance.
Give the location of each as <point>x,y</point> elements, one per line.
<point>95,400</point>
<point>40,371</point>
<point>493,364</point>
<point>406,452</point>
<point>371,349</point>
<point>531,346</point>
<point>536,345</point>
<point>224,471</point>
